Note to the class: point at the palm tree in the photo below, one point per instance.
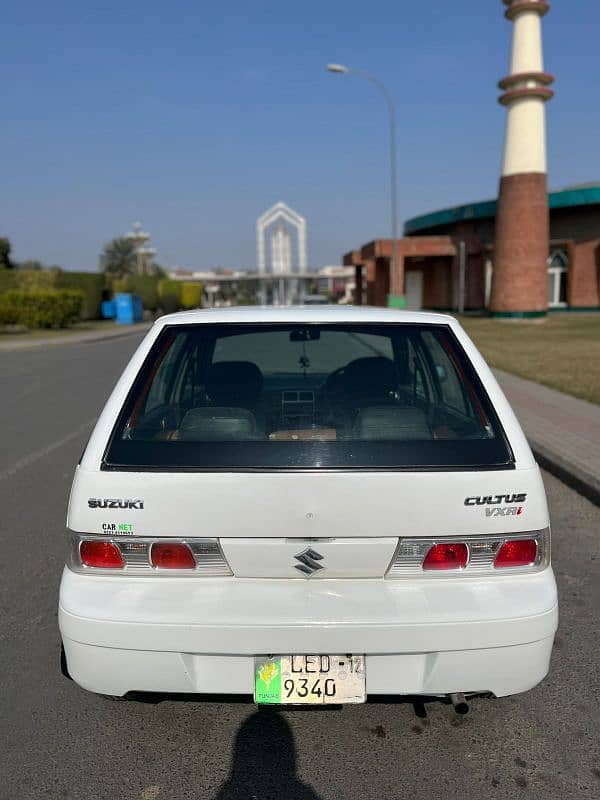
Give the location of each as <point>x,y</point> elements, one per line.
<point>118,258</point>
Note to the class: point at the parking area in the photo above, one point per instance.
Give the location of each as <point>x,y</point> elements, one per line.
<point>61,742</point>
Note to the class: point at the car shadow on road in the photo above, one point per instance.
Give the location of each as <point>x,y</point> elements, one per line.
<point>264,762</point>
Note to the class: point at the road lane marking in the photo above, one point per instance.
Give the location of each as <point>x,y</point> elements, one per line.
<point>30,459</point>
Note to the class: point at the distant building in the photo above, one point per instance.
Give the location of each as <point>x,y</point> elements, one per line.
<point>430,255</point>
<point>337,282</point>
<point>520,256</point>
<point>188,274</point>
<point>334,282</point>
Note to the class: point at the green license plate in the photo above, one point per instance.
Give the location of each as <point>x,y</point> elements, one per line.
<point>309,679</point>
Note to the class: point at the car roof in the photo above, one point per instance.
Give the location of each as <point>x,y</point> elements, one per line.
<point>311,313</point>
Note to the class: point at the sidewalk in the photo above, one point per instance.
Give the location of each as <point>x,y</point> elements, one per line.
<point>27,342</point>
<point>564,432</point>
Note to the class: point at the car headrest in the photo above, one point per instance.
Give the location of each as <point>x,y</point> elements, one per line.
<point>391,422</point>
<point>374,376</point>
<point>234,383</point>
<point>218,424</point>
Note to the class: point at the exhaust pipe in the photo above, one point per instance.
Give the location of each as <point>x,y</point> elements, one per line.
<point>459,702</point>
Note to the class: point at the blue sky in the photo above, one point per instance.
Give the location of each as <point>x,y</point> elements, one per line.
<point>194,117</point>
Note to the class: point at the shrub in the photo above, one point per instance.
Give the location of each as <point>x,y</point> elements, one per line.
<point>9,313</point>
<point>119,285</point>
<point>145,286</point>
<point>8,279</point>
<point>191,295</point>
<point>34,279</point>
<point>169,292</point>
<point>91,284</point>
<point>41,308</point>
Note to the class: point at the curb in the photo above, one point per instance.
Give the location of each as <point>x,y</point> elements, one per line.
<point>13,347</point>
<point>576,478</point>
<point>525,397</point>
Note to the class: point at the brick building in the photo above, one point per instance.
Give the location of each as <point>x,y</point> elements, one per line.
<point>432,252</point>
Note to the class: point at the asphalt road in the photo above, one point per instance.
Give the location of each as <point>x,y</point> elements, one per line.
<point>58,741</point>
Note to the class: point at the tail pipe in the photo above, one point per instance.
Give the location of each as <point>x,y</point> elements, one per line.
<point>459,702</point>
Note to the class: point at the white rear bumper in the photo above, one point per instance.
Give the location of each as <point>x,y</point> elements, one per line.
<point>432,636</point>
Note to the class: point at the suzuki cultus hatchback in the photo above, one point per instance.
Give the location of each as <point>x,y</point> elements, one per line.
<point>308,505</point>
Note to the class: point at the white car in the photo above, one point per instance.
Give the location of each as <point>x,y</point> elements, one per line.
<point>308,505</point>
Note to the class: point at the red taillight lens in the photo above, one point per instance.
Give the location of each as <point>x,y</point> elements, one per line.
<point>176,555</point>
<point>517,553</point>
<point>449,555</point>
<point>103,555</point>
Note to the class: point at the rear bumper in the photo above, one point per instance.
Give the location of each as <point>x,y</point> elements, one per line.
<point>431,637</point>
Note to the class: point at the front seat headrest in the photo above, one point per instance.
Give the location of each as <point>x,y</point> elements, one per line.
<point>218,424</point>
<point>403,424</point>
<point>370,377</point>
<point>234,383</point>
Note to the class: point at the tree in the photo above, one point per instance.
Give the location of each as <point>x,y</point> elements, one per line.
<point>157,270</point>
<point>5,249</point>
<point>118,258</point>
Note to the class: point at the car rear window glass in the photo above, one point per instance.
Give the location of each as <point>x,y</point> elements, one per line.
<point>307,396</point>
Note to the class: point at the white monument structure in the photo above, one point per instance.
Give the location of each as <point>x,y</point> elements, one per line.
<point>276,225</point>
<point>281,250</point>
<point>143,253</point>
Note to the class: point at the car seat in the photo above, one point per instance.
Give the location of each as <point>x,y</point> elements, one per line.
<point>402,423</point>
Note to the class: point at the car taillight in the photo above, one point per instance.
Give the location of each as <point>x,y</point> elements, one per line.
<point>471,555</point>
<point>447,555</point>
<point>101,555</point>
<point>146,555</point>
<point>516,553</point>
<point>175,555</point>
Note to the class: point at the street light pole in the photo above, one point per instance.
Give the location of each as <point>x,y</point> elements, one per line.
<point>395,297</point>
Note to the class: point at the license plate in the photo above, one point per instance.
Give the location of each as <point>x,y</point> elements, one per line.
<point>311,680</point>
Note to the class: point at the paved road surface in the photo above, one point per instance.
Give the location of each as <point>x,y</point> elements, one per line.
<point>60,742</point>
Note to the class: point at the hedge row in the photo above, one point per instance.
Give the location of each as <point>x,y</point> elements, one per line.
<point>8,279</point>
<point>191,295</point>
<point>165,295</point>
<point>41,308</point>
<point>91,284</point>
<point>145,286</point>
<point>169,293</point>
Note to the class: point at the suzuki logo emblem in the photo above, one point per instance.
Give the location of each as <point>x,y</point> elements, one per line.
<point>309,561</point>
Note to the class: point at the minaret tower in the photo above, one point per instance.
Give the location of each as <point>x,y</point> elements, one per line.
<point>519,287</point>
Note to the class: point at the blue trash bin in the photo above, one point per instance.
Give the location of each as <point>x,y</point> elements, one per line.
<point>107,309</point>
<point>129,309</point>
<point>138,308</point>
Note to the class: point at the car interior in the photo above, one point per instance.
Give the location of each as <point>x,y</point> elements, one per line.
<point>417,394</point>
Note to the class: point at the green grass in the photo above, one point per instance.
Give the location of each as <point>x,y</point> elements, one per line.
<point>562,351</point>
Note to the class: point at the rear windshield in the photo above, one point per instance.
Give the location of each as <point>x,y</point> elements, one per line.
<point>285,396</point>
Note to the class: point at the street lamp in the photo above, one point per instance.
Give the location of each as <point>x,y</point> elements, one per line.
<point>394,298</point>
